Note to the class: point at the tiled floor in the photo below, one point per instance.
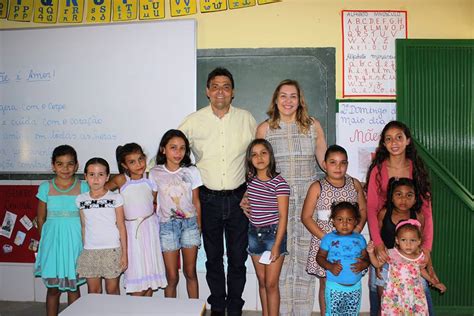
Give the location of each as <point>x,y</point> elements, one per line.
<point>8,308</point>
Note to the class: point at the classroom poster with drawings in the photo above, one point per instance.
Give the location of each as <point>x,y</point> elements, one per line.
<point>358,128</point>
<point>368,49</point>
<point>19,237</point>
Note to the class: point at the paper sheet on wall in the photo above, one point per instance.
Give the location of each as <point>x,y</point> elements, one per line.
<point>70,11</point>
<point>182,8</point>
<point>99,11</point>
<point>45,11</point>
<point>8,224</point>
<point>358,128</point>
<point>369,51</point>
<point>21,11</point>
<point>212,5</point>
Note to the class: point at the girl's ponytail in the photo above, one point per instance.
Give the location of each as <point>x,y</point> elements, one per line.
<point>122,151</point>
<point>119,157</point>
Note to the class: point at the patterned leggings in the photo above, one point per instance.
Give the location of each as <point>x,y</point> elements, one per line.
<point>342,300</point>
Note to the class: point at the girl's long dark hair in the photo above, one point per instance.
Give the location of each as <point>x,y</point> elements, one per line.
<point>250,170</point>
<point>122,151</point>
<point>420,174</point>
<point>161,157</point>
<point>394,183</point>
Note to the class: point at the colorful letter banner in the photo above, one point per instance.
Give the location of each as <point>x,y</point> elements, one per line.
<point>238,4</point>
<point>125,10</point>
<point>107,11</point>
<point>183,7</point>
<point>71,11</point>
<point>99,11</point>
<point>3,8</point>
<point>213,5</point>
<point>46,11</point>
<point>21,10</point>
<point>152,9</point>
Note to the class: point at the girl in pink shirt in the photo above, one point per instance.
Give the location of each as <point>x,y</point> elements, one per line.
<point>179,210</point>
<point>395,156</point>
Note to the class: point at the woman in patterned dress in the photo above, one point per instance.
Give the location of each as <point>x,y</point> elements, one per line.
<point>298,141</point>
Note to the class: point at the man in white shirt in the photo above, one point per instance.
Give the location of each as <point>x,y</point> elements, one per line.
<point>219,135</point>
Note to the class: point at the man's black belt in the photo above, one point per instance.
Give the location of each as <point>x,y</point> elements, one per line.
<point>241,188</point>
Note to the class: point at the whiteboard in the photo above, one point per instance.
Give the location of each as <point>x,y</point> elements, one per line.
<point>94,87</point>
<point>358,128</point>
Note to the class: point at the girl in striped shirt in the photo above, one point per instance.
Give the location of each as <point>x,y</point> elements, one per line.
<point>268,195</point>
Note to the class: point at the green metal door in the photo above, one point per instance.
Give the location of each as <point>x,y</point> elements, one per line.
<point>435,99</point>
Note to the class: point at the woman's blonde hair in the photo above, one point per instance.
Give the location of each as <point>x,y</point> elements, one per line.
<point>303,120</point>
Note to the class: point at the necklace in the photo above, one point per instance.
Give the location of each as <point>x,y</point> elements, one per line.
<point>65,190</point>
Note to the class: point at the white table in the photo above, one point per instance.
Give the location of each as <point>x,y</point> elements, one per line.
<point>101,305</point>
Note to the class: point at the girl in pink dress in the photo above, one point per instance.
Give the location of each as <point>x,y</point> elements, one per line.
<point>404,293</point>
<point>146,271</point>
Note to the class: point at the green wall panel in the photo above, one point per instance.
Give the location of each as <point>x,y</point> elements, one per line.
<point>435,83</point>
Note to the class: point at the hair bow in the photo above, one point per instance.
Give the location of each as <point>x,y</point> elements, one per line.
<point>410,221</point>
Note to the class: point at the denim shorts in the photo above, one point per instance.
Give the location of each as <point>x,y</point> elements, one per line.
<point>179,233</point>
<point>262,239</point>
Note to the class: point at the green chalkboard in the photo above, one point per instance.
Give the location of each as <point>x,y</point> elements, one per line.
<point>258,71</point>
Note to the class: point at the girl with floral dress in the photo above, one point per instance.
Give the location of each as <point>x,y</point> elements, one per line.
<point>404,293</point>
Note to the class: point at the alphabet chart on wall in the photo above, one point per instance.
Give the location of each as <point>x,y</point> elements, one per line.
<point>368,51</point>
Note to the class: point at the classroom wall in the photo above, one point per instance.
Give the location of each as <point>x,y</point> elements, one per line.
<point>317,23</point>
<point>289,23</point>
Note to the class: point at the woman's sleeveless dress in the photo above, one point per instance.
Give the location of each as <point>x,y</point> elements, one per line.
<point>145,260</point>
<point>329,194</point>
<point>296,161</point>
<point>61,236</point>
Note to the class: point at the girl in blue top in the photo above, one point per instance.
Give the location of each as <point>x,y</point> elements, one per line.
<point>338,255</point>
<point>59,226</point>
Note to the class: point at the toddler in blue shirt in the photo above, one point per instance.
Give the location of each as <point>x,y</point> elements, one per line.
<point>343,255</point>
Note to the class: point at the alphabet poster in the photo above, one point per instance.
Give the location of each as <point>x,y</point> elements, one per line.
<point>369,51</point>
<point>358,128</point>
